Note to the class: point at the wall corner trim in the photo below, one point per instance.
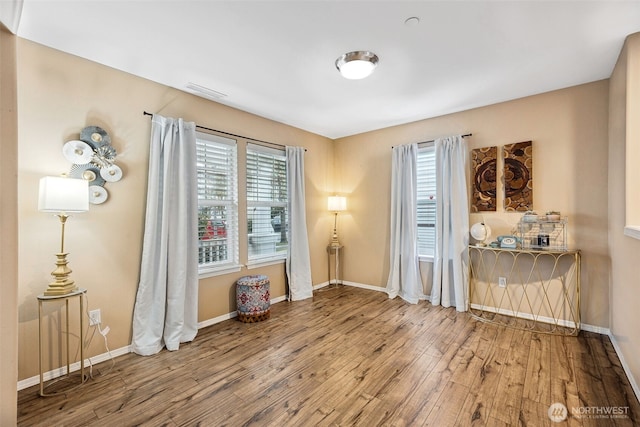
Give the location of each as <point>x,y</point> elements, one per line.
<point>627,370</point>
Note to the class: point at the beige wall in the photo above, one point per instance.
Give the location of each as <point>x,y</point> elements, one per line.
<point>8,229</point>
<point>58,95</point>
<point>569,132</point>
<point>625,251</point>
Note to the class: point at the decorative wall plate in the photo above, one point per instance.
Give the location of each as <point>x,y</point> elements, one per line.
<point>97,194</point>
<point>95,136</point>
<point>111,173</point>
<point>88,172</point>
<point>93,159</point>
<point>77,152</point>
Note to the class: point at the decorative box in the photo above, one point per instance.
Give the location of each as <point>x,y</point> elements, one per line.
<point>543,234</point>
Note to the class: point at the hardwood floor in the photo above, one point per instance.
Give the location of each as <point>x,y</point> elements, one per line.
<point>353,357</point>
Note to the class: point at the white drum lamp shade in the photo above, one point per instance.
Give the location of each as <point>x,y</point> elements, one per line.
<point>59,194</point>
<point>337,203</point>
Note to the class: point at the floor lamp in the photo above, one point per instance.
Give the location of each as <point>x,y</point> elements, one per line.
<point>62,196</point>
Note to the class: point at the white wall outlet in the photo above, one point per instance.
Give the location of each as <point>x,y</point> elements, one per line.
<point>94,317</point>
<point>502,282</point>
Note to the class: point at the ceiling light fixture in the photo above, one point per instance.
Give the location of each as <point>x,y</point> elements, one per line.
<point>357,65</point>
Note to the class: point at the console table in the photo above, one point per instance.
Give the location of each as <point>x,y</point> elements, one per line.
<point>535,290</point>
<point>78,293</point>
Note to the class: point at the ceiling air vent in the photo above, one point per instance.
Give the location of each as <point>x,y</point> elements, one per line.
<point>205,92</point>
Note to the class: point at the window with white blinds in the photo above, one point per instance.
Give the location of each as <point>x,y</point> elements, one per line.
<point>217,202</point>
<point>426,189</point>
<point>267,221</point>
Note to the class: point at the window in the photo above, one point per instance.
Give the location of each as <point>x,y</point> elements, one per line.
<point>426,201</point>
<point>217,203</point>
<point>267,221</point>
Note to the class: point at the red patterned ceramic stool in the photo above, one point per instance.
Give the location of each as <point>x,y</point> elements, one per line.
<point>253,299</point>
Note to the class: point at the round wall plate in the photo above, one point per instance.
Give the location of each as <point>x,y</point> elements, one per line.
<point>88,172</point>
<point>95,136</point>
<point>77,152</point>
<point>111,173</point>
<point>97,194</point>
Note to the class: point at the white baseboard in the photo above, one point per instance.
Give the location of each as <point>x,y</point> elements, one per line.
<point>627,370</point>
<point>597,329</point>
<point>62,371</point>
<point>322,285</point>
<point>528,316</point>
<point>363,286</point>
<point>346,283</point>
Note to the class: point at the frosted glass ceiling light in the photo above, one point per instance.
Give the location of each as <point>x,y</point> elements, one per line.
<point>357,65</point>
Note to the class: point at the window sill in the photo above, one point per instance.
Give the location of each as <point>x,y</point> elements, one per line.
<point>264,262</point>
<point>205,272</point>
<point>425,258</point>
<point>632,231</point>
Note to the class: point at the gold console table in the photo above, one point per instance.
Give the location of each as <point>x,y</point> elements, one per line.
<point>535,290</point>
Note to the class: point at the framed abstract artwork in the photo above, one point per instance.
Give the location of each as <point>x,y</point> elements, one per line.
<point>518,177</point>
<point>484,173</point>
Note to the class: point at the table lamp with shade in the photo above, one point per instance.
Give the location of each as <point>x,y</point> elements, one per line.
<point>336,204</point>
<point>62,196</point>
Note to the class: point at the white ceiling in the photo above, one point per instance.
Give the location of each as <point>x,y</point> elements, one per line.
<point>276,58</point>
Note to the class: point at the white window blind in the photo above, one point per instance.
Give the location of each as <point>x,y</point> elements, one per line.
<point>267,221</point>
<point>426,189</point>
<point>217,202</point>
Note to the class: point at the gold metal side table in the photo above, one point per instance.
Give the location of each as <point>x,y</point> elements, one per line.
<point>335,251</point>
<point>78,293</point>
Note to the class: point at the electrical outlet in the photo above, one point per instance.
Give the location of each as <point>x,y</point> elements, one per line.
<point>94,317</point>
<point>502,282</point>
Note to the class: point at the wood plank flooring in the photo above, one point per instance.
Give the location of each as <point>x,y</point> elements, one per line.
<point>352,357</point>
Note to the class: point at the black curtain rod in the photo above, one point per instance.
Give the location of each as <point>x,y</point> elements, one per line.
<point>433,140</point>
<point>231,134</point>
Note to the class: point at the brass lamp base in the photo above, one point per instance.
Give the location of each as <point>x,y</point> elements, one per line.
<point>334,238</point>
<point>63,284</point>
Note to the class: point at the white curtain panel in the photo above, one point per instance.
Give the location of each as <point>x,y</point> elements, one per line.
<point>404,274</point>
<point>451,258</point>
<point>166,308</point>
<point>298,259</point>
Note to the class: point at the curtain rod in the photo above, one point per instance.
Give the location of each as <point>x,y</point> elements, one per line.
<point>433,140</point>
<point>231,134</point>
